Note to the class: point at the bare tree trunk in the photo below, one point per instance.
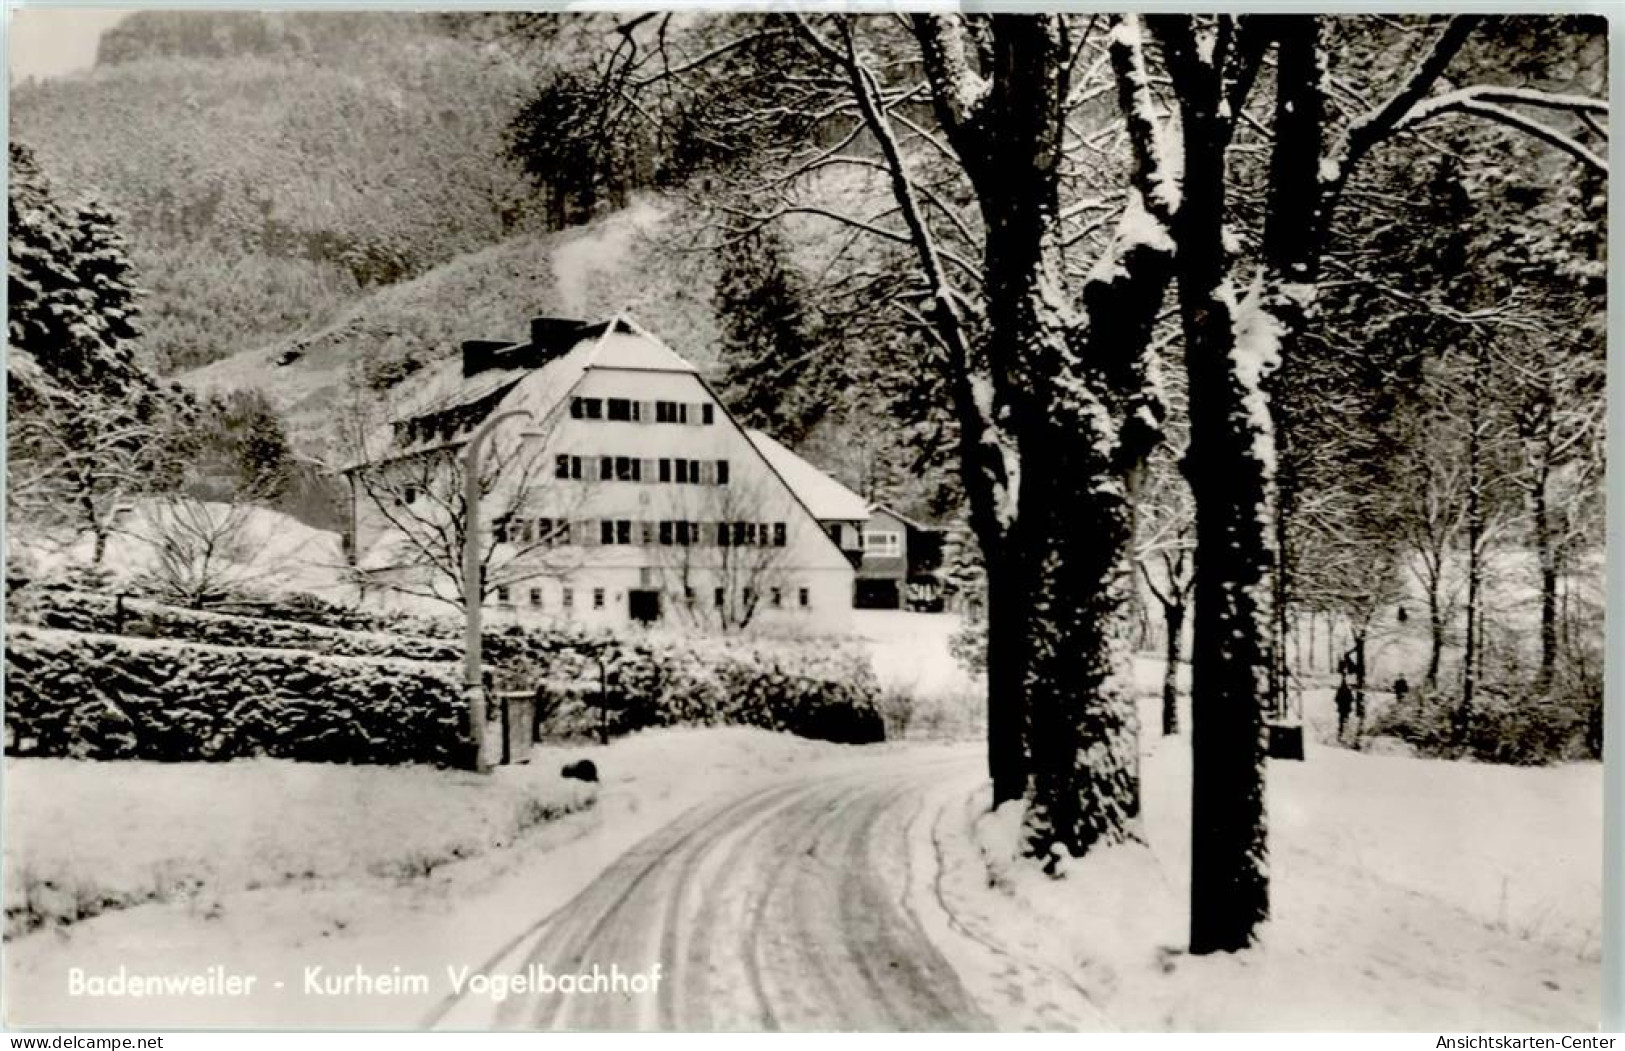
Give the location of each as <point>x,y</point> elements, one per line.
<point>1173,614</point>
<point>1436,628</point>
<point>1475,537</point>
<point>1229,350</point>
<point>1546,553</point>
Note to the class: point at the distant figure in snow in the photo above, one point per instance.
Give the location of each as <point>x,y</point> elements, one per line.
<point>1402,689</point>
<point>1345,705</point>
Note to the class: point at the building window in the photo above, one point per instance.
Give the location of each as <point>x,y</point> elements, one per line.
<point>718,598</point>
<point>569,598</point>
<point>776,598</point>
<point>561,467</point>
<point>606,468</point>
<point>707,414</point>
<point>882,543</point>
<point>628,469</point>
<point>409,494</point>
<point>722,472</point>
<point>665,470</point>
<point>586,408</point>
<point>682,472</point>
<point>805,597</point>
<point>682,534</point>
<point>623,531</point>
<point>524,531</point>
<point>606,532</point>
<point>536,597</point>
<point>778,534</point>
<point>620,409</point>
<point>502,594</point>
<point>648,533</point>
<point>499,530</point>
<point>597,598</point>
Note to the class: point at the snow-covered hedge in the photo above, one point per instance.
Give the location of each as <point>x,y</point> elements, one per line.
<point>821,691</point>
<point>109,697</point>
<point>813,688</point>
<point>98,613</point>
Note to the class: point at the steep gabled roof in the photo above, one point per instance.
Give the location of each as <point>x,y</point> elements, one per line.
<point>628,345</point>
<point>827,499</point>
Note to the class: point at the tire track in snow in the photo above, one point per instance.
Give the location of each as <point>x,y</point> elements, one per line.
<point>812,905</point>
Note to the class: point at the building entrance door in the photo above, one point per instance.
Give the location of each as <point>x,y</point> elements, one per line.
<point>643,606</point>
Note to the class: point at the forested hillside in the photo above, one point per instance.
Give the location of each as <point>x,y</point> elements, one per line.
<point>270,166</point>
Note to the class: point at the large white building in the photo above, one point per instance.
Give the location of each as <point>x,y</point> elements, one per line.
<point>629,494</point>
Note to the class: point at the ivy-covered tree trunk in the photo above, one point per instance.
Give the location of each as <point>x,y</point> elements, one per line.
<point>1083,403</point>
<point>1070,380</point>
<point>1007,601</point>
<point>1084,737</point>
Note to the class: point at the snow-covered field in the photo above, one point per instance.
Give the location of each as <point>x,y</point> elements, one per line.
<point>910,656</point>
<point>345,915</point>
<point>1407,894</point>
<point>83,837</point>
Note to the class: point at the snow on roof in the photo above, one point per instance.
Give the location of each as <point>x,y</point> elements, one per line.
<point>635,349</point>
<point>906,520</point>
<point>617,344</point>
<point>827,499</point>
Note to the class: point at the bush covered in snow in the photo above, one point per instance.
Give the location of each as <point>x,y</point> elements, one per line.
<point>99,613</point>
<point>821,692</point>
<point>108,697</point>
<point>811,689</point>
<point>1502,727</point>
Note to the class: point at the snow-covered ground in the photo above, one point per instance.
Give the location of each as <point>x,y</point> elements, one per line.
<point>910,656</point>
<point>1407,894</point>
<point>345,916</point>
<point>83,837</point>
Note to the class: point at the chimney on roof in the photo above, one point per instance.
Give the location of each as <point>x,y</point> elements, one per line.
<point>550,337</point>
<point>481,354</point>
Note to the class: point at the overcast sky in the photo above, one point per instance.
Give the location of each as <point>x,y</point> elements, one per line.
<point>48,42</point>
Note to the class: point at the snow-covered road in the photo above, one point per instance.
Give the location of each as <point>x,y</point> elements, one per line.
<point>792,906</point>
